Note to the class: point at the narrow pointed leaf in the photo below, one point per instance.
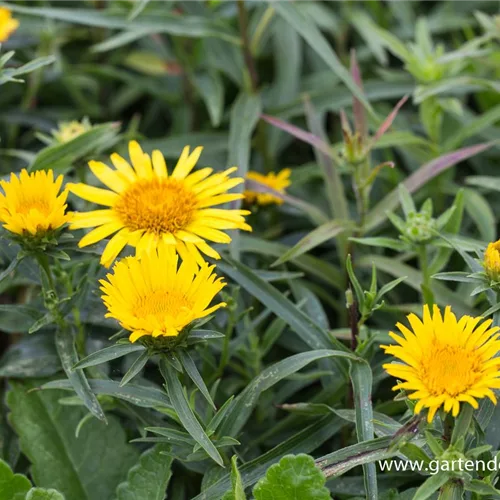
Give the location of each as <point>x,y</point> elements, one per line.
<point>194,375</point>
<point>135,368</point>
<point>108,354</point>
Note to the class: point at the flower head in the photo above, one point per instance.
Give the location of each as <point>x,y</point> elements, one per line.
<point>146,206</point>
<point>153,296</point>
<point>446,361</point>
<point>492,261</point>
<point>7,24</point>
<point>278,182</point>
<point>68,131</point>
<point>31,203</point>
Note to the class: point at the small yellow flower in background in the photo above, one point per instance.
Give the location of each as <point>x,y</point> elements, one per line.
<point>492,261</point>
<point>146,206</point>
<point>446,362</point>
<point>7,24</point>
<point>68,131</point>
<point>153,296</point>
<point>31,203</point>
<point>279,182</point>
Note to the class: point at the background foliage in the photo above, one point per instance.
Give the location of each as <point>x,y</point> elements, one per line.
<point>262,86</point>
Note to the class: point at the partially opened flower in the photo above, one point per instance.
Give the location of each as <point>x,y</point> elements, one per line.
<point>446,361</point>
<point>32,204</point>
<point>67,131</point>
<point>492,261</point>
<point>7,24</point>
<point>153,296</point>
<point>146,206</point>
<point>279,182</point>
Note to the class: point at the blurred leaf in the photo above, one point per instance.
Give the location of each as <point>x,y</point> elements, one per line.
<point>293,477</point>
<point>101,452</point>
<point>149,477</point>
<point>12,74</point>
<point>185,413</point>
<point>323,233</point>
<point>430,486</point>
<point>60,157</point>
<point>162,22</point>
<point>30,357</point>
<point>12,486</point>
<point>293,14</point>
<point>211,89</point>
<point>419,178</point>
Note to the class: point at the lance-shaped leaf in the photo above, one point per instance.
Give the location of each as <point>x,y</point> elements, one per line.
<point>357,106</point>
<point>108,354</point>
<point>419,178</point>
<point>384,127</point>
<point>185,413</point>
<point>314,213</point>
<point>318,236</point>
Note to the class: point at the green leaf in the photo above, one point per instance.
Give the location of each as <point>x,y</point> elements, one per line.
<point>30,357</point>
<point>107,354</point>
<point>462,424</point>
<point>149,478</point>
<point>66,350</point>
<point>361,377</point>
<point>430,486</point>
<point>138,364</point>
<point>312,334</point>
<point>295,476</point>
<point>84,468</point>
<point>301,22</point>
<point>10,268</point>
<point>162,21</point>
<point>193,373</point>
<point>185,413</point>
<point>305,441</point>
<point>380,241</point>
<point>238,491</point>
<point>147,397</point>
<point>244,403</point>
<point>43,494</point>
<point>419,178</point>
<point>12,74</point>
<point>358,289</point>
<point>60,157</point>
<point>325,232</point>
<point>312,265</point>
<point>12,486</point>
<point>339,462</point>
<point>211,89</point>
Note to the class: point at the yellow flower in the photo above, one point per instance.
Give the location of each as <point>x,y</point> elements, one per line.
<point>492,261</point>
<point>152,296</point>
<point>278,182</point>
<point>32,203</point>
<point>68,131</point>
<point>146,206</point>
<point>7,24</point>
<point>446,361</point>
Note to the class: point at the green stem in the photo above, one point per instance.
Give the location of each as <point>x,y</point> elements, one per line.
<point>427,294</point>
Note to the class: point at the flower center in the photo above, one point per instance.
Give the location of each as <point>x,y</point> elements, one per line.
<point>162,303</point>
<point>157,206</point>
<point>449,369</point>
<point>26,205</point>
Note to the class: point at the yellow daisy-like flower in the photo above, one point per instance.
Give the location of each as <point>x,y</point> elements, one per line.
<point>279,182</point>
<point>7,24</point>
<point>31,203</point>
<point>492,261</point>
<point>68,131</point>
<point>153,296</point>
<point>147,206</point>
<point>446,361</point>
